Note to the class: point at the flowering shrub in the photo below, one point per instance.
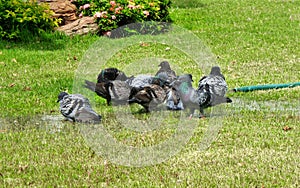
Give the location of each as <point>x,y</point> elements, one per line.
<point>111,14</point>
<point>18,17</point>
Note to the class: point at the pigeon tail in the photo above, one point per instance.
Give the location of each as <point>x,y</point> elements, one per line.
<point>90,85</point>
<point>228,100</point>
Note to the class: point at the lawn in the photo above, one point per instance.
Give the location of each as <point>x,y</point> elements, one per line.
<point>257,140</point>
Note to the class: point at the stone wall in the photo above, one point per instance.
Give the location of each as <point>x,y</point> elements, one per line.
<point>71,24</point>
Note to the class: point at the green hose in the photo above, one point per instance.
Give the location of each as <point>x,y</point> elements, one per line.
<point>265,87</point>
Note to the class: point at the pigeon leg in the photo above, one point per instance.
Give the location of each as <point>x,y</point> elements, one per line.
<point>201,114</point>
<point>108,99</point>
<point>192,113</point>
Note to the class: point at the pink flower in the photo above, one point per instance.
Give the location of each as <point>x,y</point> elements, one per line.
<point>113,17</point>
<point>117,10</point>
<point>112,3</point>
<point>146,12</point>
<point>86,6</point>
<point>131,6</point>
<point>98,14</point>
<point>106,33</point>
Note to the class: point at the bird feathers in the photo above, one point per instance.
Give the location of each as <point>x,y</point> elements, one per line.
<point>77,108</point>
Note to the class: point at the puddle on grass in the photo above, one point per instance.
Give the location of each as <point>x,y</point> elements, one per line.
<point>285,107</point>
<point>50,123</point>
<point>56,123</point>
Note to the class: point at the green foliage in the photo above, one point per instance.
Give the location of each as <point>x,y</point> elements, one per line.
<point>113,14</point>
<point>20,18</point>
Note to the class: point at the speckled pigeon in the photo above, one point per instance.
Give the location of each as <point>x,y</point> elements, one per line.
<point>77,108</point>
<point>173,101</point>
<point>217,86</point>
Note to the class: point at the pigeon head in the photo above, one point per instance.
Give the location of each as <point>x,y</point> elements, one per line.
<point>185,78</point>
<point>164,65</point>
<point>183,83</point>
<point>215,70</point>
<point>121,76</point>
<point>110,74</point>
<point>61,96</point>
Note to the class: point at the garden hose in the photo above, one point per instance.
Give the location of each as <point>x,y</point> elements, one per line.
<point>265,87</point>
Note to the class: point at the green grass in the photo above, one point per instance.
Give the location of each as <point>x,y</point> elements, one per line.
<point>256,42</point>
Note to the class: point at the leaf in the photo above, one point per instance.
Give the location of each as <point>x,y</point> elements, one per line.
<point>14,60</point>
<point>143,44</point>
<point>11,85</point>
<point>22,168</point>
<point>287,128</point>
<point>27,88</point>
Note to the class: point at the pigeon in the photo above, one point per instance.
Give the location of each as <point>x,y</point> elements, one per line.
<point>141,81</point>
<point>173,101</point>
<point>77,108</point>
<point>192,99</point>
<point>101,89</point>
<point>116,91</point>
<point>166,71</point>
<point>119,92</point>
<point>217,86</point>
<point>110,74</point>
<point>149,96</point>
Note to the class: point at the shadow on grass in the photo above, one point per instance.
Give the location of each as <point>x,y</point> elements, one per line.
<point>46,41</point>
<point>187,4</point>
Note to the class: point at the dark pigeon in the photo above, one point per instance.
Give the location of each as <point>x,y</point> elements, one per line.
<point>217,86</point>
<point>116,91</point>
<point>101,89</point>
<point>110,74</point>
<point>77,108</point>
<point>119,92</point>
<point>149,96</point>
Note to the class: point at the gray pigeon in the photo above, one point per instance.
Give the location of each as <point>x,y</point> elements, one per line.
<point>77,108</point>
<point>217,86</point>
<point>139,81</point>
<point>166,72</point>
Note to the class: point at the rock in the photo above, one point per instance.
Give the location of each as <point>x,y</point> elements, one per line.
<point>63,9</point>
<point>81,26</point>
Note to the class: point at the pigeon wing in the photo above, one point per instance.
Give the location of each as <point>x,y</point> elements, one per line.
<point>87,115</point>
<point>70,105</point>
<point>119,91</point>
